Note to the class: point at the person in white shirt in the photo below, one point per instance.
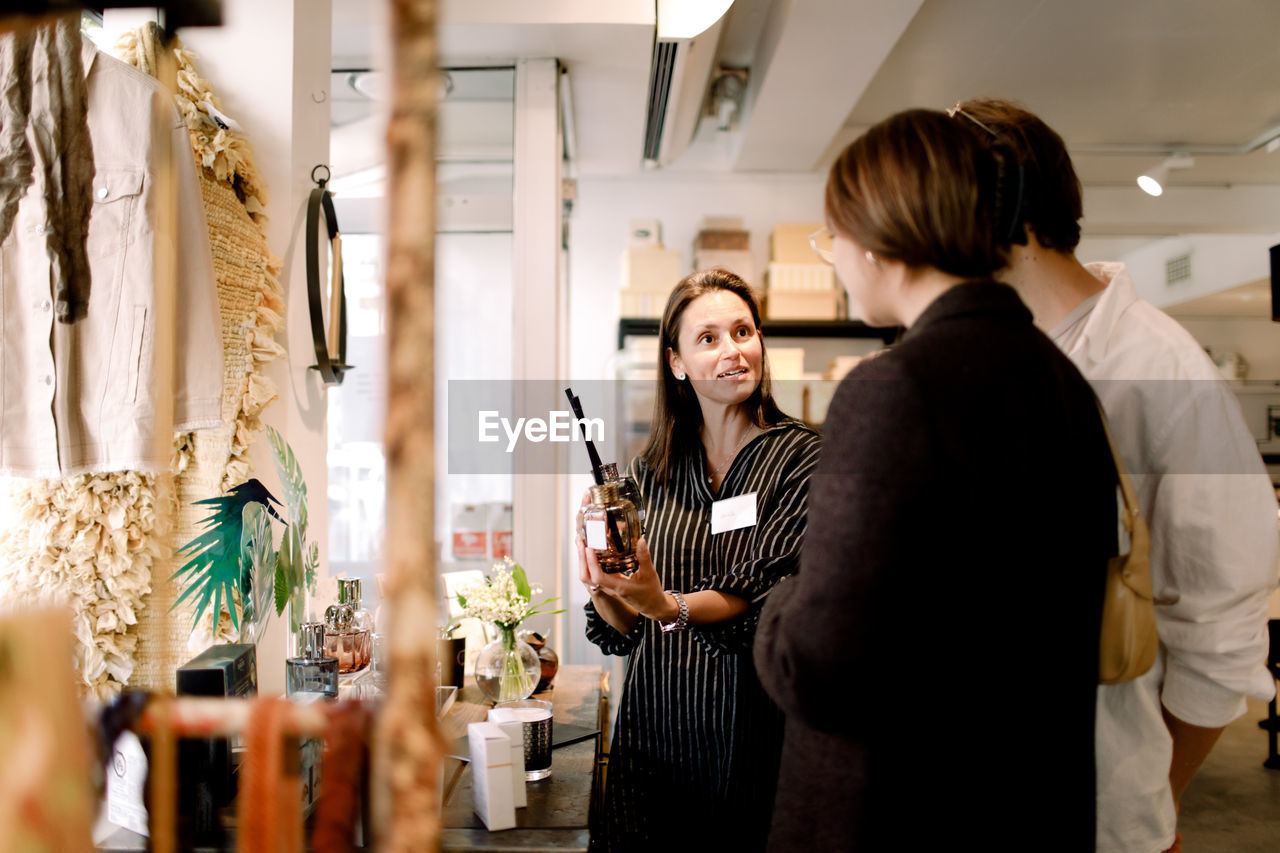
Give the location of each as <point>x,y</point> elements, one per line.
<point>1201,483</point>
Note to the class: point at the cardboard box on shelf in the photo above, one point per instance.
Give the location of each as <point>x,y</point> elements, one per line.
<point>790,397</point>
<point>841,365</point>
<point>740,263</point>
<point>651,269</point>
<point>786,364</point>
<point>789,243</point>
<point>802,305</point>
<point>641,303</point>
<point>721,233</point>
<point>817,398</point>
<point>801,277</point>
<point>640,351</point>
<point>724,239</point>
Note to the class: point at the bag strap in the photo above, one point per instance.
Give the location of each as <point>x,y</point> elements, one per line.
<point>1132,509</point>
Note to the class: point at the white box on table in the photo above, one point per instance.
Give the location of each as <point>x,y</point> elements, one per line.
<point>491,775</point>
<point>515,731</point>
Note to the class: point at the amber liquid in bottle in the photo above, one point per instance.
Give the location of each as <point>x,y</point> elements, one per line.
<point>610,526</point>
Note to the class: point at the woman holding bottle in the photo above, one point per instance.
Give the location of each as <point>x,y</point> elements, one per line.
<point>725,480</point>
<point>937,652</point>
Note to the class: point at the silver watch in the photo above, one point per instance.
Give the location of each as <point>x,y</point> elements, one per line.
<point>682,618</point>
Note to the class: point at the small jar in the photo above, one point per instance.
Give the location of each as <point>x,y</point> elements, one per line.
<point>610,526</point>
<point>627,488</point>
<point>353,647</point>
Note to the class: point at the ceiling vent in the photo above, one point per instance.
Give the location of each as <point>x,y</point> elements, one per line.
<point>678,79</point>
<point>1178,269</point>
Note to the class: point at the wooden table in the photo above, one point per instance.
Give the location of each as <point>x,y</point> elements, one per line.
<point>556,817</point>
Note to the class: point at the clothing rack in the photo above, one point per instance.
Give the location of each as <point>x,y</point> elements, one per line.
<point>223,717</point>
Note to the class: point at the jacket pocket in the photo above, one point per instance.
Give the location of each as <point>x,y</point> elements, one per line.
<point>115,199</point>
<point>138,335</point>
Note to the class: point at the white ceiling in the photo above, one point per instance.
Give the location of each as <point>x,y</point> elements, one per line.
<point>1124,81</point>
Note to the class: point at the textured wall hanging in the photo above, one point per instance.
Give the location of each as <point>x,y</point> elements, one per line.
<point>100,542</point>
<point>251,304</point>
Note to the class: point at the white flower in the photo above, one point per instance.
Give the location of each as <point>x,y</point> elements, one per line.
<point>504,598</point>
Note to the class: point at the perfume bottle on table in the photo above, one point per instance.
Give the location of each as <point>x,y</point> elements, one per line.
<point>350,593</point>
<point>352,646</point>
<point>314,673</point>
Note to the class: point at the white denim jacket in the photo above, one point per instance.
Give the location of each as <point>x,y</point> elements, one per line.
<point>1212,512</point>
<point>92,396</point>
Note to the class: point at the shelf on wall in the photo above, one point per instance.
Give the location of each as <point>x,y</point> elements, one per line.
<point>629,326</point>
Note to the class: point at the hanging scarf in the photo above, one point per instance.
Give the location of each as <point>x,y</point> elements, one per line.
<point>44,124</point>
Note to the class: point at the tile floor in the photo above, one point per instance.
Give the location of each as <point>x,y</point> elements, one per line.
<point>1233,804</point>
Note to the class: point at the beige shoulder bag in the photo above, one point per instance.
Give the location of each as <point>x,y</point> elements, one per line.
<point>1129,640</point>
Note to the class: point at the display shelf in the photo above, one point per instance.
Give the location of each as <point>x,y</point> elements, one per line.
<point>639,326</point>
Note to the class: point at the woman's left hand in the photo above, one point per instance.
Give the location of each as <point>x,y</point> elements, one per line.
<point>642,592</point>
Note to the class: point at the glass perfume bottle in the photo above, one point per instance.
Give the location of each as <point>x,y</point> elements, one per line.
<point>627,488</point>
<point>352,646</point>
<point>313,674</point>
<point>610,526</point>
<point>350,593</point>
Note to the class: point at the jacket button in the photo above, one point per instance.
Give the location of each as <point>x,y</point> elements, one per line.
<point>102,192</point>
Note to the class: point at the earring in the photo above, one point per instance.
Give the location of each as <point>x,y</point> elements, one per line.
<point>871,258</point>
<point>679,377</point>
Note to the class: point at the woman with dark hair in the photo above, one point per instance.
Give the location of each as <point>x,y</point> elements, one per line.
<point>937,652</point>
<point>725,476</point>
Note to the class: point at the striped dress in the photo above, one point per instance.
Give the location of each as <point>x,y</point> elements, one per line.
<point>697,740</point>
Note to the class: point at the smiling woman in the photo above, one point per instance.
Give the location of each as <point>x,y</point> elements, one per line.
<point>715,387</point>
<point>725,477</point>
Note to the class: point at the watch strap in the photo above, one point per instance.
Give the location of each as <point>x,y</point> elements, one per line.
<point>682,618</point>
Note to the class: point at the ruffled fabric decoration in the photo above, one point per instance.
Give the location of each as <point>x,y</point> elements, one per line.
<point>251,304</point>
<point>90,543</point>
<point>103,543</point>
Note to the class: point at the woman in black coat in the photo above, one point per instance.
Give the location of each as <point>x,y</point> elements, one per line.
<point>936,654</point>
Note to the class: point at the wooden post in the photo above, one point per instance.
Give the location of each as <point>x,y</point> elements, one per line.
<point>408,747</point>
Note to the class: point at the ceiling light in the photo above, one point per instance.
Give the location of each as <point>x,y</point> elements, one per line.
<point>686,19</point>
<point>1152,181</point>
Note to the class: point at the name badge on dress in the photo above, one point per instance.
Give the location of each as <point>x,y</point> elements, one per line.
<point>733,513</point>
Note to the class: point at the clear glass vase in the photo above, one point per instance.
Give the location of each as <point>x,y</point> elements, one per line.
<point>507,669</point>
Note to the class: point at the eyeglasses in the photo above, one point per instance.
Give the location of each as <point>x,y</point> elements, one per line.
<point>827,255</point>
<point>956,110</point>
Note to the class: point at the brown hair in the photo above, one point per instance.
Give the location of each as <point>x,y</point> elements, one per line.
<point>677,417</point>
<point>1054,203</point>
<point>922,189</point>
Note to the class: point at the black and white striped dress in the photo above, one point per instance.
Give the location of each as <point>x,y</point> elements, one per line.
<point>697,740</point>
